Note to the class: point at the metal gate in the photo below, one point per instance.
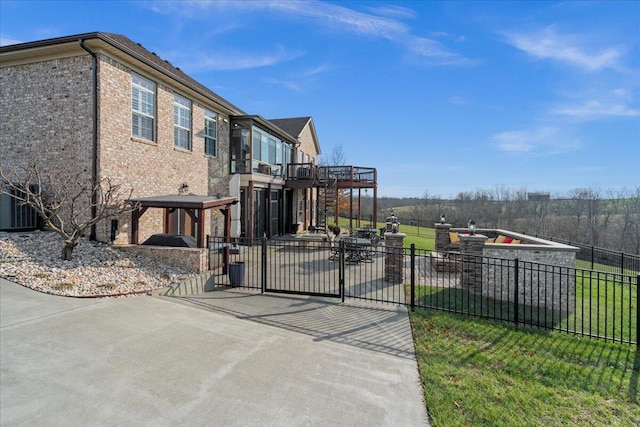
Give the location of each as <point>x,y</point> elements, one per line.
<point>309,265</point>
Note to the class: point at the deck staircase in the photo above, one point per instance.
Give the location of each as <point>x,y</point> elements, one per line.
<point>327,201</point>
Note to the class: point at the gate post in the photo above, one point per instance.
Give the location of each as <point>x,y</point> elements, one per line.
<point>341,261</point>
<point>516,296</point>
<point>394,257</point>
<point>263,270</point>
<point>637,312</point>
<point>471,248</point>
<point>413,277</point>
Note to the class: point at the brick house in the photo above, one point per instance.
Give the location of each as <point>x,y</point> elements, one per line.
<point>101,105</point>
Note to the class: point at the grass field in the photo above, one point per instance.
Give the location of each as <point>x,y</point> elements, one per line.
<point>481,373</point>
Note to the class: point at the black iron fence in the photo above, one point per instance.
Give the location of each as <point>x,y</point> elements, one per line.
<point>602,259</point>
<point>580,301</point>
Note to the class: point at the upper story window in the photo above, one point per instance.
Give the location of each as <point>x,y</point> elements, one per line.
<point>181,122</point>
<point>143,108</point>
<point>210,133</point>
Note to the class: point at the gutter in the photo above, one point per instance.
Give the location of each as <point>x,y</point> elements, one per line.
<point>94,157</point>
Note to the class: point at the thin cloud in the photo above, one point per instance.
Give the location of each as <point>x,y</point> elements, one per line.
<point>569,49</point>
<point>541,141</point>
<point>6,41</point>
<point>316,71</point>
<point>393,12</point>
<point>228,60</point>
<point>594,109</point>
<point>302,81</point>
<point>594,105</point>
<point>458,100</point>
<point>291,85</point>
<point>338,18</point>
<point>431,52</point>
<point>445,35</point>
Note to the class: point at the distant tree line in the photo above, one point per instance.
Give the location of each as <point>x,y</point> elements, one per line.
<point>590,215</point>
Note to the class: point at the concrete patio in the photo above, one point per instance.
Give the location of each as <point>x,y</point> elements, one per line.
<point>227,357</point>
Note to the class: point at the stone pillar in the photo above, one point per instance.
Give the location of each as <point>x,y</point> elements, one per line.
<point>442,236</point>
<point>471,248</point>
<point>394,257</point>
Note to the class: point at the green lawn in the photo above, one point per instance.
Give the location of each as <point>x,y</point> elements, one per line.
<point>481,373</point>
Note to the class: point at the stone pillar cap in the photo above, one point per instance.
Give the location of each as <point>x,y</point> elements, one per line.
<point>474,237</point>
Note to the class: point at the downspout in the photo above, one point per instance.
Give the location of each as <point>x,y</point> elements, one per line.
<point>94,157</point>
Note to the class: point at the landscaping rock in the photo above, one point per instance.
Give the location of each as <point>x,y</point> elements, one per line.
<point>34,260</point>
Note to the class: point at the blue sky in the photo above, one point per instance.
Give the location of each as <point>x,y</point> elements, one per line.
<point>441,97</point>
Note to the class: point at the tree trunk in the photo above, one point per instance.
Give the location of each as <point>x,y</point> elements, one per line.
<point>67,251</point>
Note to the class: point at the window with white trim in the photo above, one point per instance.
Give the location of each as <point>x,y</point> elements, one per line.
<point>181,122</point>
<point>143,108</point>
<point>210,133</point>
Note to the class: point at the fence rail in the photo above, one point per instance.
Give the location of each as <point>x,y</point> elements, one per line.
<point>602,259</point>
<point>581,301</point>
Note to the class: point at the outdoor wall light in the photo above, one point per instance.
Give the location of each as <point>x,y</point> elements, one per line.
<point>394,223</point>
<point>184,187</point>
<point>472,227</point>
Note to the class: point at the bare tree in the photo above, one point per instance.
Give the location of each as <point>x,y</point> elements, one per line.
<point>337,157</point>
<point>629,229</point>
<point>65,204</point>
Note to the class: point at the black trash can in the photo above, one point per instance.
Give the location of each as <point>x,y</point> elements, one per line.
<point>236,273</point>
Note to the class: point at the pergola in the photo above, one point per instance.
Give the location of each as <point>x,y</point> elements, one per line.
<point>194,206</point>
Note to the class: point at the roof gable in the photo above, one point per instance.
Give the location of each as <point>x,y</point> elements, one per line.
<point>295,125</point>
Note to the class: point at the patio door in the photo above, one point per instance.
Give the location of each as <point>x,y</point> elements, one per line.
<point>260,213</point>
<point>275,213</point>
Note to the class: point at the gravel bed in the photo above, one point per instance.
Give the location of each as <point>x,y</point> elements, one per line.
<point>34,260</point>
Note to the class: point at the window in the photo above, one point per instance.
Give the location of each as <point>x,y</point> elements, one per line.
<point>181,122</point>
<point>272,150</point>
<point>210,133</point>
<point>143,108</point>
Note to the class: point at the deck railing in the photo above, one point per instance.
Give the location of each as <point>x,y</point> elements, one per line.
<point>309,171</point>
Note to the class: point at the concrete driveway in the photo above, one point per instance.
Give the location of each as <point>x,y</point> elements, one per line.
<point>221,359</point>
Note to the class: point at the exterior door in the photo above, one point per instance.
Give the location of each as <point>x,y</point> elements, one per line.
<point>275,213</point>
<point>260,213</point>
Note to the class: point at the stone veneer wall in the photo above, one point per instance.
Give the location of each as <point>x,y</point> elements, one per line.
<point>46,118</point>
<point>193,259</point>
<point>546,277</point>
<point>307,146</point>
<point>394,257</point>
<point>442,236</point>
<point>539,284</point>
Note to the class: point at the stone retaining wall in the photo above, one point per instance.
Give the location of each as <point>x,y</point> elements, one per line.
<point>193,259</point>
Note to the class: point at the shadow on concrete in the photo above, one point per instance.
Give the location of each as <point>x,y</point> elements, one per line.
<point>384,330</point>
